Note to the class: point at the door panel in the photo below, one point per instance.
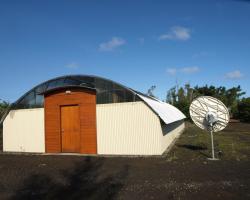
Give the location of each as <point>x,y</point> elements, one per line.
<point>70,128</point>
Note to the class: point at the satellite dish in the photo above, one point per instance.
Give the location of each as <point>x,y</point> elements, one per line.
<point>210,114</point>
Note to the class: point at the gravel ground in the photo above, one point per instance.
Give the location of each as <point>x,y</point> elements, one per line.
<point>76,177</point>
<point>166,177</point>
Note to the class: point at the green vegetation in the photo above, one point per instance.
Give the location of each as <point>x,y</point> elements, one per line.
<point>195,144</point>
<point>181,97</point>
<point>244,110</point>
<point>3,106</point>
<point>150,91</point>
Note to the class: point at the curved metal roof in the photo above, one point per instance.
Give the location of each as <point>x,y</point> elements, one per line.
<point>165,111</point>
<point>107,91</point>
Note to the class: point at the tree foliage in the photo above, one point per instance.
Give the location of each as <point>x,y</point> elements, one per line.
<point>182,97</point>
<point>3,106</point>
<point>150,91</point>
<point>244,109</point>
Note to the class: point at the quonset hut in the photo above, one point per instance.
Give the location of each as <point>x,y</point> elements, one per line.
<point>90,115</point>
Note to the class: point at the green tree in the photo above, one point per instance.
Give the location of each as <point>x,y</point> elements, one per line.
<point>189,92</point>
<point>230,97</point>
<point>183,97</point>
<point>150,91</point>
<point>244,109</point>
<point>3,106</point>
<point>184,107</point>
<point>179,98</point>
<point>181,94</point>
<point>171,96</point>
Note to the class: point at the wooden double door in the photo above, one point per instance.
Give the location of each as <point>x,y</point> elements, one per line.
<point>70,121</point>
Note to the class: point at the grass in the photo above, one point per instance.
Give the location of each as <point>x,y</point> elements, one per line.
<point>233,143</point>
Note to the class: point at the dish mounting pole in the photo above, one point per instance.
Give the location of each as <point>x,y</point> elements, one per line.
<point>212,143</point>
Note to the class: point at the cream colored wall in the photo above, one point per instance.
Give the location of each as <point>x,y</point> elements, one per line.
<point>122,129</point>
<point>23,131</point>
<point>170,132</point>
<point>127,129</point>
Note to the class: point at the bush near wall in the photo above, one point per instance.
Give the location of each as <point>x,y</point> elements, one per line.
<point>3,107</point>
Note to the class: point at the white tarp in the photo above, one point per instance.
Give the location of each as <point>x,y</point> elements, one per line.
<point>165,111</point>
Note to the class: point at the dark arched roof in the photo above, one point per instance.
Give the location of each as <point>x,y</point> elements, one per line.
<point>107,91</point>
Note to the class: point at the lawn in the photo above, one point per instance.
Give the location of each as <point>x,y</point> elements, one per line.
<point>233,143</point>
<point>182,173</point>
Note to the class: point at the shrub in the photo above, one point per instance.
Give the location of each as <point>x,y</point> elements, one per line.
<point>183,106</point>
<point>244,109</point>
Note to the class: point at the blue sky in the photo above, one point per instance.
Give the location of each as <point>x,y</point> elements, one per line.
<point>136,43</point>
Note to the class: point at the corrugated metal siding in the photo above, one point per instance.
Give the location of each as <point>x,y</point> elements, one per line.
<point>128,129</point>
<point>23,131</point>
<point>122,129</point>
<point>171,132</point>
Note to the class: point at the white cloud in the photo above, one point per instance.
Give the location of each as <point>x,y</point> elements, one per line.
<point>177,33</point>
<point>190,70</point>
<point>185,70</point>
<point>73,65</point>
<point>111,44</point>
<point>234,75</point>
<point>171,71</point>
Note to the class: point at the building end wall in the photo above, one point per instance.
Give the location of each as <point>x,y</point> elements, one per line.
<point>170,133</point>
<point>23,131</point>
